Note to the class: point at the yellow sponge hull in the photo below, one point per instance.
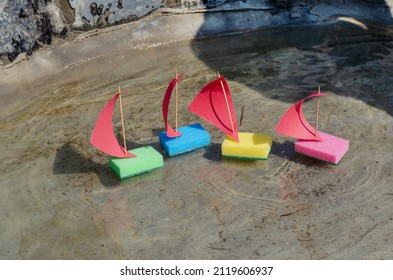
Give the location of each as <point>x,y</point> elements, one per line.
<point>250,146</point>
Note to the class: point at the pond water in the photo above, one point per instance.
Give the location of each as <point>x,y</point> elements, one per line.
<point>60,200</point>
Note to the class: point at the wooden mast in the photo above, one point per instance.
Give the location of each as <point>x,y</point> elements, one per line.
<point>177,101</point>
<point>316,121</point>
<point>122,123</point>
<point>226,100</point>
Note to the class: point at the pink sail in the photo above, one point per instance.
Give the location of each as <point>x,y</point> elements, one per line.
<point>211,105</point>
<point>294,124</point>
<point>103,137</point>
<point>170,132</point>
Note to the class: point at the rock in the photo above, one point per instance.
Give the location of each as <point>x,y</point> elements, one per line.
<point>100,13</point>
<point>19,29</point>
<point>28,24</point>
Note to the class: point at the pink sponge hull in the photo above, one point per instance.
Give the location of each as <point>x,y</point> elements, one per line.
<point>331,149</point>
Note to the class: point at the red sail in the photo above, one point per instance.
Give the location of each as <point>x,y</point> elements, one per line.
<point>170,132</point>
<point>294,124</point>
<point>211,105</point>
<point>103,137</point>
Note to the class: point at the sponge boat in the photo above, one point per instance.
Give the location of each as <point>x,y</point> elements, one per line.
<point>214,104</point>
<point>123,162</point>
<point>310,141</point>
<point>180,140</point>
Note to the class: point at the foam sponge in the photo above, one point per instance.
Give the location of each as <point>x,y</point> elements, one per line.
<point>193,137</point>
<point>147,159</point>
<point>332,149</point>
<point>250,146</point>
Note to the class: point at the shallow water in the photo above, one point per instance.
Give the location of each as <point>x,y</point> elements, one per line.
<point>60,200</point>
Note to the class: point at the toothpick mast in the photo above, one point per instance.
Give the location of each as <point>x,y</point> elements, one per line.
<point>226,100</point>
<point>177,101</point>
<point>122,123</point>
<point>316,122</point>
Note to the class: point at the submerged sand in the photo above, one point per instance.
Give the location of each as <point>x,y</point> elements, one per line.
<point>60,200</point>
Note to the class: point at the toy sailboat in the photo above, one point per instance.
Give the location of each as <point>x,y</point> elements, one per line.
<point>184,139</point>
<point>124,163</point>
<point>214,104</point>
<point>311,142</point>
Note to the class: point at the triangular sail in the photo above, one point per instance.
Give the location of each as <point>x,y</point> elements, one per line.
<point>214,104</point>
<point>103,137</point>
<point>170,132</point>
<point>294,124</point>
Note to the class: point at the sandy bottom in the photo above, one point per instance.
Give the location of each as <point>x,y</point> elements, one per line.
<point>60,200</point>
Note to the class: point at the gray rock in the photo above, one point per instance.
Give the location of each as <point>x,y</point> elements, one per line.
<point>18,28</point>
<point>27,24</point>
<point>106,12</point>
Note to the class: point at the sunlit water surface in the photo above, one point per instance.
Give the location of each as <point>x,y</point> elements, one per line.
<point>60,200</point>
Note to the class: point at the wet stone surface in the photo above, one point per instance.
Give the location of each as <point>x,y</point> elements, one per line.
<point>102,12</point>
<point>60,200</point>
<point>29,25</point>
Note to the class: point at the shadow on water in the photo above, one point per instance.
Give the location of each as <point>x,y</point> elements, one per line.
<point>351,59</point>
<point>157,131</point>
<point>70,160</point>
<point>213,152</point>
<point>286,151</point>
<point>283,150</point>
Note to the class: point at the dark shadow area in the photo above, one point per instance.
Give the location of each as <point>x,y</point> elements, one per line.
<point>70,160</point>
<point>349,57</point>
<point>283,150</point>
<point>286,151</point>
<point>213,152</point>
<point>156,131</point>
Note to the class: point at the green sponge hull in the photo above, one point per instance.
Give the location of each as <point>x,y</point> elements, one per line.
<point>246,158</point>
<point>147,159</point>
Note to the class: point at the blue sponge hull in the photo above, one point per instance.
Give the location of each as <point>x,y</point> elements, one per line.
<point>193,137</point>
